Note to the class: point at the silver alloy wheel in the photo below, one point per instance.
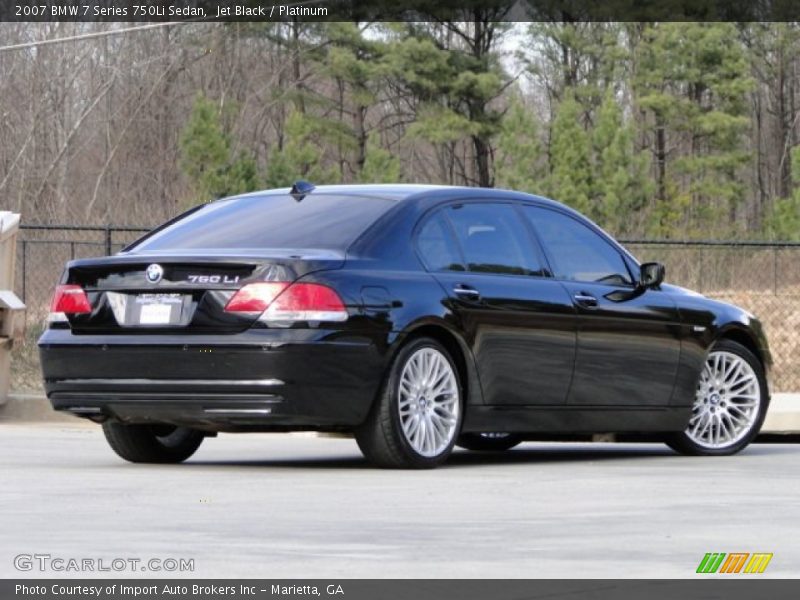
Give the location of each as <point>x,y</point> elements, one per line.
<point>727,402</point>
<point>428,402</point>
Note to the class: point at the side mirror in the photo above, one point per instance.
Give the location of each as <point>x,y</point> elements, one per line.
<point>651,275</point>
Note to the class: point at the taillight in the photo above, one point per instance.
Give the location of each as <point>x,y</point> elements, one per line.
<point>255,297</point>
<point>289,302</point>
<point>69,300</point>
<point>307,302</point>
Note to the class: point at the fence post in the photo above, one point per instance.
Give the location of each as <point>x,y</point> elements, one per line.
<point>24,267</point>
<point>108,240</point>
<point>702,270</point>
<point>775,269</point>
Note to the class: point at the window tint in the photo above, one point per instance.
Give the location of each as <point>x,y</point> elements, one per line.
<point>494,240</point>
<point>319,221</point>
<point>578,253</point>
<point>437,247</point>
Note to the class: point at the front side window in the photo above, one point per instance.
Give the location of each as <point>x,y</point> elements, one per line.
<point>577,252</point>
<point>493,240</point>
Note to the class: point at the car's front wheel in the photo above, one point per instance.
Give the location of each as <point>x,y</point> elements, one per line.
<point>730,404</point>
<point>152,443</point>
<point>416,419</point>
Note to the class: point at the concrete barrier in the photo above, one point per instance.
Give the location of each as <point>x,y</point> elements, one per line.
<point>784,414</point>
<point>12,310</point>
<point>34,408</point>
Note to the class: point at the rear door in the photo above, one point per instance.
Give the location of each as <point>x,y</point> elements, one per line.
<point>628,338</point>
<point>520,323</point>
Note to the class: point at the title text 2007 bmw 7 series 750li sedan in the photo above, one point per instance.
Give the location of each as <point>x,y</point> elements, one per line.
<point>415,317</point>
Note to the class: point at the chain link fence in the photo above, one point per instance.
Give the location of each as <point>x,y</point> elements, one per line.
<point>764,278</point>
<point>42,251</point>
<point>761,277</point>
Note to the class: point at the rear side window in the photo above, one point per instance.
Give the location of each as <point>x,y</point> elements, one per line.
<point>437,247</point>
<point>493,240</point>
<point>577,252</point>
<point>319,221</point>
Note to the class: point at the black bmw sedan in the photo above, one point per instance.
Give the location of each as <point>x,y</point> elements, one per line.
<point>414,317</point>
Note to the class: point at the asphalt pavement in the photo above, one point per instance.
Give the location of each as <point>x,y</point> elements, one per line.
<point>293,506</point>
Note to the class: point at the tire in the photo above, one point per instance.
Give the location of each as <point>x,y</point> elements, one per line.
<point>740,408</point>
<point>161,444</point>
<point>488,442</point>
<point>389,438</point>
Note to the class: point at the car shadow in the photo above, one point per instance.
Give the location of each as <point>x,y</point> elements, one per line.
<point>527,454</point>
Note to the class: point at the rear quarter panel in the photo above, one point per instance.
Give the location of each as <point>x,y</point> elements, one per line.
<point>389,305</point>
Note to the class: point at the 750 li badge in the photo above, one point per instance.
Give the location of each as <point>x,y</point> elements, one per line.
<point>212,279</point>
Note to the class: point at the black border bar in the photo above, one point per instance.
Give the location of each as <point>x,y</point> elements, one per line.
<point>397,10</point>
<point>703,587</point>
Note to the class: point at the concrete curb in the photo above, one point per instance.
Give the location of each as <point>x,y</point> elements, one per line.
<point>783,416</point>
<point>31,407</point>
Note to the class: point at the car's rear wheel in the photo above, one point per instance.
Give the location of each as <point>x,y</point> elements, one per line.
<point>152,443</point>
<point>416,419</point>
<point>730,403</point>
<point>488,441</point>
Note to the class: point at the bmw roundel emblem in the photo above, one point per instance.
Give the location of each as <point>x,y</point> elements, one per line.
<point>154,273</point>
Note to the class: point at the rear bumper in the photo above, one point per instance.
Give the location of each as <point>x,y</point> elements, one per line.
<point>263,380</point>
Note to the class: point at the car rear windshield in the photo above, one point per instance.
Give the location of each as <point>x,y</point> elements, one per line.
<point>319,221</point>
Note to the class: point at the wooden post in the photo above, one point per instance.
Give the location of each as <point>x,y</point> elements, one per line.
<point>12,310</point>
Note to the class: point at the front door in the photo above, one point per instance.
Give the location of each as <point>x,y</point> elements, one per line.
<point>628,337</point>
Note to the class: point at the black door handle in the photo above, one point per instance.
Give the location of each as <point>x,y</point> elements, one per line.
<point>466,292</point>
<point>585,299</point>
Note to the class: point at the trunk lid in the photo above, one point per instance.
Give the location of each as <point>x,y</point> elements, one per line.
<point>150,293</point>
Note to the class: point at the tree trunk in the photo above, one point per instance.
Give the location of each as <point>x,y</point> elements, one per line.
<point>661,159</point>
<point>785,175</point>
<point>482,161</point>
<point>361,137</point>
<point>300,102</point>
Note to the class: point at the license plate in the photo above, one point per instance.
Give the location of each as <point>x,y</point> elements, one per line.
<point>155,314</point>
<point>159,309</point>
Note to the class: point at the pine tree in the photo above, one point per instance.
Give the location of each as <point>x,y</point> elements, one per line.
<point>570,158</point>
<point>356,63</point>
<point>621,183</point>
<point>380,166</point>
<point>452,74</point>
<point>520,162</point>
<point>206,156</point>
<point>783,222</point>
<point>204,148</point>
<point>692,81</point>
<point>582,59</point>
<point>301,155</point>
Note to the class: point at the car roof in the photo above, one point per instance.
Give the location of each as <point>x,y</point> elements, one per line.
<point>421,197</point>
<point>387,191</point>
<point>416,192</point>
